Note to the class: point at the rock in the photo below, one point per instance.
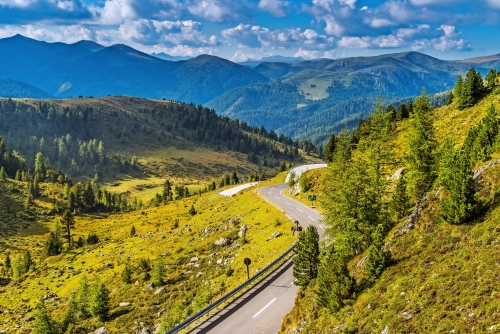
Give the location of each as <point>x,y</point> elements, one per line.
<point>477,173</point>
<point>149,286</point>
<point>385,330</point>
<point>29,319</point>
<point>124,304</point>
<point>412,219</point>
<point>397,174</point>
<point>219,261</point>
<point>243,229</point>
<point>234,221</point>
<point>50,295</point>
<point>194,259</point>
<point>274,236</point>
<point>222,242</point>
<point>199,274</point>
<point>108,266</point>
<point>101,330</point>
<point>3,331</point>
<point>159,290</point>
<point>144,330</point>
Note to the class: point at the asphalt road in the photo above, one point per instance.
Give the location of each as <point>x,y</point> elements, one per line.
<point>262,309</point>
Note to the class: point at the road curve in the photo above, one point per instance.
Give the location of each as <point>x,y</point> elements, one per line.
<point>262,309</point>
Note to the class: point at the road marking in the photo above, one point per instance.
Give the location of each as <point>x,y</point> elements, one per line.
<point>264,308</point>
<point>310,218</point>
<point>300,210</point>
<point>277,197</point>
<point>287,203</point>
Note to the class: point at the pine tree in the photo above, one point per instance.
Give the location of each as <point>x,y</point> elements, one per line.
<point>330,148</point>
<point>68,221</point>
<point>400,202</point>
<point>291,178</point>
<point>167,191</point>
<point>192,210</point>
<point>449,100</point>
<point>421,149</point>
<point>491,78</point>
<point>378,257</point>
<point>7,262</point>
<point>283,166</point>
<point>44,324</point>
<point>461,202</point>
<point>99,304</point>
<point>3,175</point>
<point>335,286</point>
<point>71,315</point>
<point>127,274</point>
<point>51,246</point>
<point>83,298</point>
<point>159,272</point>
<point>132,231</point>
<point>459,92</point>
<point>306,261</point>
<point>27,262</point>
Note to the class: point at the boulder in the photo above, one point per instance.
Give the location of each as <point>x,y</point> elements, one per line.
<point>223,242</point>
<point>124,304</point>
<point>243,229</point>
<point>50,295</point>
<point>149,286</point>
<point>159,290</point>
<point>101,330</point>
<point>194,259</point>
<point>274,236</point>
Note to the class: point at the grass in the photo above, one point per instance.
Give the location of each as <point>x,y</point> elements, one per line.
<point>444,277</point>
<point>156,236</point>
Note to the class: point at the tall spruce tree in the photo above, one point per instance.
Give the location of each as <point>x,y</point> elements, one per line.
<point>421,149</point>
<point>335,286</point>
<point>68,221</point>
<point>159,272</point>
<point>306,261</point>
<point>460,203</point>
<point>400,202</point>
<point>44,324</point>
<point>378,257</point>
<point>99,304</point>
<point>458,91</point>
<point>83,298</point>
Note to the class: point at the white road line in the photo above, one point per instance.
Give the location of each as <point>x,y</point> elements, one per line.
<point>264,308</point>
<point>300,210</point>
<point>269,191</point>
<point>277,197</point>
<point>287,203</point>
<point>310,218</point>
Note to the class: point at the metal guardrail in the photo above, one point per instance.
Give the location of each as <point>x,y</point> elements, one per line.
<point>228,295</point>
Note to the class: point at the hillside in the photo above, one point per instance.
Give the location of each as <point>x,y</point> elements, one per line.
<point>11,88</point>
<point>119,136</point>
<point>427,272</point>
<point>89,69</point>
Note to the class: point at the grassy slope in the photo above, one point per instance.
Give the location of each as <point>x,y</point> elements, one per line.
<point>444,277</point>
<point>155,235</point>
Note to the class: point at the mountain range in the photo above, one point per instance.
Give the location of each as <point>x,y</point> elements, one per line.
<point>300,98</point>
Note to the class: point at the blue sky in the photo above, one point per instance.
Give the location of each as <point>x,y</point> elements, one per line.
<point>242,29</point>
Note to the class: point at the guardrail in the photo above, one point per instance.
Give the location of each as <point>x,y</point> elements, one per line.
<point>190,320</point>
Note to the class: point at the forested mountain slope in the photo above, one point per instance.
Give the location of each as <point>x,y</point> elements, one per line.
<point>119,135</point>
<point>12,88</point>
<point>412,221</point>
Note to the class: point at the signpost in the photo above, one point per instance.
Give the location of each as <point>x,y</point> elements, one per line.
<point>247,262</point>
<point>296,227</point>
<point>311,198</point>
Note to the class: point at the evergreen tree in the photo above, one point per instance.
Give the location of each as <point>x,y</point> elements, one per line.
<point>306,261</point>
<point>68,221</point>
<point>3,175</point>
<point>491,78</point>
<point>27,262</point>
<point>192,210</point>
<point>330,148</point>
<point>83,298</point>
<point>421,149</point>
<point>127,274</point>
<point>167,191</point>
<point>304,183</point>
<point>132,231</point>
<point>7,262</point>
<point>159,272</point>
<point>449,100</point>
<point>44,324</point>
<point>461,202</point>
<point>283,166</point>
<point>71,315</point>
<point>400,202</point>
<point>335,286</point>
<point>378,257</point>
<point>51,246</point>
<point>99,304</point>
<point>291,178</point>
<point>459,92</point>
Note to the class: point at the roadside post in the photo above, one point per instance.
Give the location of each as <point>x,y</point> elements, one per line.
<point>296,227</point>
<point>247,262</point>
<point>311,198</point>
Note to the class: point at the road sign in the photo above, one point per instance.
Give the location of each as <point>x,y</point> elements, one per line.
<point>247,262</point>
<point>311,198</point>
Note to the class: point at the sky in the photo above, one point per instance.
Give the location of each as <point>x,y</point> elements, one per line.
<point>243,29</point>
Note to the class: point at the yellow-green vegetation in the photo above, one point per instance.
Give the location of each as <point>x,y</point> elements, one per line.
<point>441,277</point>
<point>313,178</point>
<point>184,242</point>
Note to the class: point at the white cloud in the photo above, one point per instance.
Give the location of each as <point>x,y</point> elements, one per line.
<point>306,54</point>
<point>364,8</point>
<point>330,54</point>
<point>256,36</point>
<point>380,23</point>
<point>276,7</point>
<point>17,3</point>
<point>354,42</point>
<point>239,56</point>
<point>494,3</point>
<point>220,10</point>
<point>66,34</point>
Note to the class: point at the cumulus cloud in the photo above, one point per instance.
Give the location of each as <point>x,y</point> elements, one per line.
<point>256,36</point>
<point>306,54</point>
<point>220,10</point>
<point>276,7</point>
<point>67,34</point>
<point>49,11</point>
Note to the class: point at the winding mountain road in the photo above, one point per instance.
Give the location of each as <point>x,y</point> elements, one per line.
<point>262,309</point>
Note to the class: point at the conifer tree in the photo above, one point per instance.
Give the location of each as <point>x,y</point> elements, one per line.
<point>378,257</point>
<point>7,262</point>
<point>68,221</point>
<point>132,231</point>
<point>335,286</point>
<point>83,298</point>
<point>461,202</point>
<point>283,166</point>
<point>3,175</point>
<point>421,149</point>
<point>99,304</point>
<point>459,92</point>
<point>306,261</point>
<point>330,148</point>
<point>449,100</point>
<point>71,315</point>
<point>167,191</point>
<point>127,274</point>
<point>51,246</point>
<point>491,78</point>
<point>291,178</point>
<point>159,272</point>
<point>192,210</point>
<point>44,324</point>
<point>400,202</point>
